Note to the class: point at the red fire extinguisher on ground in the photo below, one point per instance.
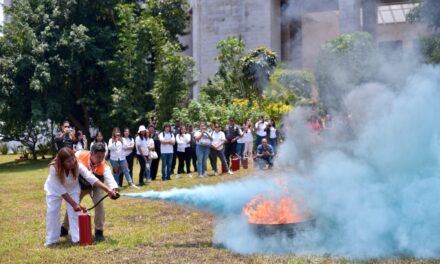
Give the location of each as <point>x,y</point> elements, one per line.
<point>235,163</point>
<point>85,229</point>
<point>245,162</point>
<point>85,224</point>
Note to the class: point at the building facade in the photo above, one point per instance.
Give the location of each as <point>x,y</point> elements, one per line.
<point>294,29</point>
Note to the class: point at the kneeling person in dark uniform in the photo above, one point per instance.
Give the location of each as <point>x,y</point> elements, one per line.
<point>265,154</point>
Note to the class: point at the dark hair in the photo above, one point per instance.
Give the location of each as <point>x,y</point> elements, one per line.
<point>273,122</point>
<point>165,126</point>
<point>97,147</point>
<point>99,133</point>
<point>129,135</point>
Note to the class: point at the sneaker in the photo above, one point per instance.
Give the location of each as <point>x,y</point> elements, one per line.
<point>133,186</point>
<point>177,176</point>
<point>149,180</point>
<point>189,175</point>
<point>201,176</point>
<point>230,172</point>
<point>215,173</point>
<point>99,235</point>
<point>64,231</point>
<point>205,175</point>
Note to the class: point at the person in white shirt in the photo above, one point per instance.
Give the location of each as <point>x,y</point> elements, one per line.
<point>183,140</point>
<point>129,153</point>
<point>167,141</point>
<point>217,149</point>
<point>100,138</point>
<point>272,135</point>
<point>248,139</point>
<point>81,141</point>
<point>62,184</point>
<point>117,157</point>
<point>240,143</point>
<point>260,128</point>
<point>143,146</point>
<point>203,147</point>
<point>94,161</point>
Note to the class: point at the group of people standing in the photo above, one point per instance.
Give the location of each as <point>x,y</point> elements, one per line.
<point>184,147</point>
<point>76,172</point>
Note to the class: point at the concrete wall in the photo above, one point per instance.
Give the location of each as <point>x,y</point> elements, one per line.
<point>317,28</point>
<point>256,21</point>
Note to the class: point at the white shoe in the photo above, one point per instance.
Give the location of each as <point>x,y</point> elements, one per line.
<point>215,173</point>
<point>189,175</point>
<point>201,176</point>
<point>133,186</point>
<point>230,172</point>
<point>177,176</point>
<point>205,175</point>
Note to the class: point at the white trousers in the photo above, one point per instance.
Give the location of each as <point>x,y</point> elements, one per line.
<point>248,148</point>
<point>53,224</point>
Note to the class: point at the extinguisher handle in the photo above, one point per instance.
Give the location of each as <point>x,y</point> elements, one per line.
<point>96,204</point>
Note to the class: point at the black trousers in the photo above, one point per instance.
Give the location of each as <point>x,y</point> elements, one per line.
<point>230,150</point>
<point>173,164</point>
<point>193,157</point>
<point>142,169</point>
<point>129,159</point>
<point>154,167</point>
<point>184,159</point>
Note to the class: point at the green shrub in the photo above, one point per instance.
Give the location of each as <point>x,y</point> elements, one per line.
<point>430,48</point>
<point>4,148</point>
<point>14,149</point>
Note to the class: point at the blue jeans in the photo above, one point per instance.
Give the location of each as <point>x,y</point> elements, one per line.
<point>273,142</point>
<point>123,167</point>
<point>262,161</point>
<point>202,153</point>
<point>239,150</point>
<point>258,141</point>
<point>167,162</point>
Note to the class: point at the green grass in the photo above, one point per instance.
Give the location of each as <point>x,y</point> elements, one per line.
<point>137,231</point>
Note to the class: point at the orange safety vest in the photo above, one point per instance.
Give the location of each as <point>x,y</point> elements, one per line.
<point>83,156</point>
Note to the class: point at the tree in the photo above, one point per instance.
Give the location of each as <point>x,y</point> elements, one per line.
<point>344,63</point>
<point>258,65</point>
<point>175,77</point>
<point>228,82</point>
<point>81,59</point>
<point>290,86</point>
<point>427,11</point>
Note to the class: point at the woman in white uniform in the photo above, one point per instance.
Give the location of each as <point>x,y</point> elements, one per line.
<point>62,184</point>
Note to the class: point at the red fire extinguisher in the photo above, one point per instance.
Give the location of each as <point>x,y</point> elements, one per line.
<point>235,163</point>
<point>85,224</point>
<point>85,229</point>
<point>245,162</point>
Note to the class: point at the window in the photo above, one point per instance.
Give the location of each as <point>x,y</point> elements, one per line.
<point>395,13</point>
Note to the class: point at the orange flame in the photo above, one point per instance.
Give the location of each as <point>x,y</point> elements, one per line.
<point>262,210</point>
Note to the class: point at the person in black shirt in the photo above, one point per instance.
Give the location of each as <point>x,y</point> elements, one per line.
<point>232,133</point>
<point>155,162</point>
<point>192,147</point>
<point>175,130</point>
<point>66,136</point>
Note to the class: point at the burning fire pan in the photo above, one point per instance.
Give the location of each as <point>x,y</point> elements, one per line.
<point>289,230</point>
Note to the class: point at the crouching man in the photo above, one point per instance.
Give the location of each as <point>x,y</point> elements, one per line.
<point>265,154</point>
<point>94,161</point>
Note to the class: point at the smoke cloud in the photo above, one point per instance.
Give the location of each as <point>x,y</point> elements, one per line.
<point>371,182</point>
<point>373,192</point>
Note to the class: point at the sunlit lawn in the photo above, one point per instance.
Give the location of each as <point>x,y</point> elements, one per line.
<point>136,230</point>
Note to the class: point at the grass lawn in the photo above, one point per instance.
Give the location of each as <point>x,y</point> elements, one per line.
<point>137,231</point>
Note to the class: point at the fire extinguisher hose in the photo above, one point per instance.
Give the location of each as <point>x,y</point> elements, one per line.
<point>93,207</point>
